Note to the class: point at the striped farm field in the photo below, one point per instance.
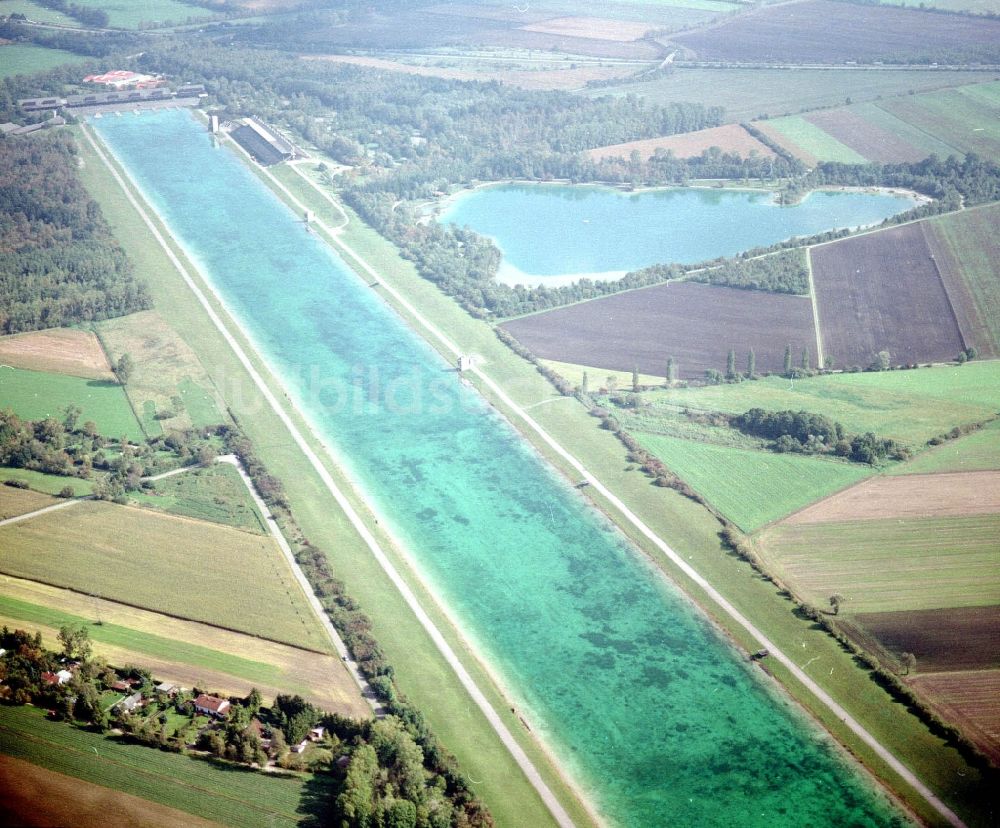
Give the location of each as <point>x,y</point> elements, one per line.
<point>810,142</point>
<point>891,564</point>
<point>971,700</point>
<point>187,568</point>
<point>221,794</point>
<point>184,652</point>
<point>731,138</point>
<point>752,488</point>
<point>967,246</point>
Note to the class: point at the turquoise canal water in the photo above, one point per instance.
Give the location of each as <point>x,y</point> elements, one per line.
<point>642,700</point>
<point>547,231</point>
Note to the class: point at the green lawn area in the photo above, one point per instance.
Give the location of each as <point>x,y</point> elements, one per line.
<point>979,451</point>
<point>27,58</point>
<point>129,14</point>
<point>815,141</point>
<point>192,569</point>
<point>910,406</point>
<point>48,483</point>
<point>885,565</point>
<point>216,493</point>
<point>36,395</point>
<point>749,487</point>
<point>971,238</point>
<point>224,794</point>
<point>34,11</point>
<point>689,528</point>
<point>753,93</point>
<point>142,642</point>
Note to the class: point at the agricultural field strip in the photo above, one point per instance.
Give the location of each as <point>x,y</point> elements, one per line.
<point>553,804</point>
<point>62,745</point>
<point>192,654</point>
<point>954,494</point>
<point>624,510</point>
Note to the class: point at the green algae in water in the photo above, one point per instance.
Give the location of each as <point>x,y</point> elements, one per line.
<point>645,704</point>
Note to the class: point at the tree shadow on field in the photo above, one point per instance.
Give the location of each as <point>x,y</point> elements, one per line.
<point>317,801</point>
<point>99,383</point>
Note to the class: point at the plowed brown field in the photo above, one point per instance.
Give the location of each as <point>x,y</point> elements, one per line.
<point>591,27</point>
<point>909,496</point>
<point>731,138</point>
<point>969,699</point>
<point>867,139</point>
<point>61,350</point>
<point>883,292</point>
<point>696,324</point>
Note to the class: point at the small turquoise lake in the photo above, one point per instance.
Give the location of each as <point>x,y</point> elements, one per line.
<point>553,234</point>
<point>646,706</point>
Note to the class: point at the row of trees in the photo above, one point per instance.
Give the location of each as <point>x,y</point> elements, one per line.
<point>59,263</point>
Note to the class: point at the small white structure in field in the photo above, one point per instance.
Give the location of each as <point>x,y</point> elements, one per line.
<point>310,216</point>
<point>465,363</point>
<point>214,124</point>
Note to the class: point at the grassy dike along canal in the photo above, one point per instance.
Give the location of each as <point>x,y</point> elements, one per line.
<point>611,664</point>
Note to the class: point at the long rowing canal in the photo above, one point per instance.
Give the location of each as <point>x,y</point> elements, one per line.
<point>643,702</point>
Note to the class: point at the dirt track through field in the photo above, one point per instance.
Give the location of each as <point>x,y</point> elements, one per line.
<point>909,496</point>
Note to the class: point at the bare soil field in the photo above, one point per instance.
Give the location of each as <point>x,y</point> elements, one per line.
<point>15,502</point>
<point>909,496</point>
<point>59,350</point>
<point>591,27</point>
<point>544,79</point>
<point>971,700</point>
<point>34,797</point>
<point>696,324</point>
<point>821,31</point>
<point>874,143</point>
<point>943,640</point>
<point>883,292</point>
<point>731,138</point>
<point>508,14</point>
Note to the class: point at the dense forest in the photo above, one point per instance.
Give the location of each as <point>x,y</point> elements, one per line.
<point>59,263</point>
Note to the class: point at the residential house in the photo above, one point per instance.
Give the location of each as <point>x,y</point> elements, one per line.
<point>211,706</point>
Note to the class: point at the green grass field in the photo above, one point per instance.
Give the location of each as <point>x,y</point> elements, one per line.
<point>48,483</point>
<point>911,406</point>
<point>752,488</point>
<point>33,11</point>
<point>971,238</point>
<point>192,569</point>
<point>753,93</point>
<point>36,395</point>
<point>128,14</point>
<point>979,451</point>
<point>216,494</point>
<point>142,642</point>
<point>26,58</point>
<point>168,379</point>
<point>815,141</point>
<point>884,565</point>
<point>220,793</point>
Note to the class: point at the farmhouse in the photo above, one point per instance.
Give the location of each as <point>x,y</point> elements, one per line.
<point>55,679</point>
<point>122,685</point>
<point>211,706</point>
<point>168,688</point>
<point>131,703</point>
